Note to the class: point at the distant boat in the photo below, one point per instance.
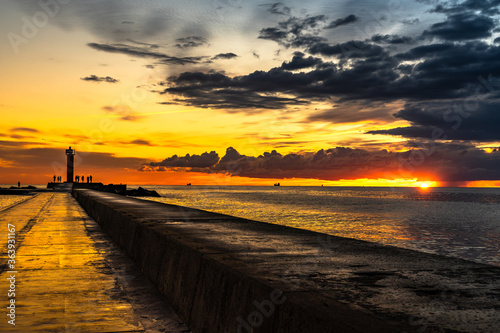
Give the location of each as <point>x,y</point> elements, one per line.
<point>188,184</point>
<point>277,184</point>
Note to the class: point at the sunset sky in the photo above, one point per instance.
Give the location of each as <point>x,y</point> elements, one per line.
<point>228,92</point>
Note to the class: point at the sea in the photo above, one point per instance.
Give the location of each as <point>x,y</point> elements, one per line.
<point>456,222</point>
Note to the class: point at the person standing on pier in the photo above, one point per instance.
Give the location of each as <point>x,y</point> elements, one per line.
<point>83,179</point>
<point>54,178</point>
<point>77,178</point>
<point>90,178</point>
<point>87,179</point>
<point>18,184</point>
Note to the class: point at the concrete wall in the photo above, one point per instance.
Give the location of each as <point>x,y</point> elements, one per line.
<point>223,274</point>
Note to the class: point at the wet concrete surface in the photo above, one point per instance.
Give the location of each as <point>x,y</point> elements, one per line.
<point>69,277</point>
<point>332,284</point>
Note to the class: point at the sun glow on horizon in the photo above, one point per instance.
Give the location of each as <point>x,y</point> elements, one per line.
<point>426,184</point>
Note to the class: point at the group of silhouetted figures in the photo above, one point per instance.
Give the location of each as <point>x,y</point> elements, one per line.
<point>77,179</point>
<point>89,179</point>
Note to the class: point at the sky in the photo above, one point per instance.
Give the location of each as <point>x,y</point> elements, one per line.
<point>233,92</point>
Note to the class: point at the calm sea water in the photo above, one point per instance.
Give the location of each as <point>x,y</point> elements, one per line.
<point>458,222</point>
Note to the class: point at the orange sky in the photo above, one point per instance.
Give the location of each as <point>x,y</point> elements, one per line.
<point>118,126</point>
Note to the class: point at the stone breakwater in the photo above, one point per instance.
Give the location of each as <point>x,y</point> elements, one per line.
<point>227,274</point>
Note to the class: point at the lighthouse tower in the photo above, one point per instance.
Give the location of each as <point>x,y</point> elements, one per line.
<point>70,154</point>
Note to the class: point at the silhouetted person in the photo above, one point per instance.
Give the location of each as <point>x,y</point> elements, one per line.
<point>77,178</point>
<point>91,178</point>
<point>87,179</point>
<point>54,178</point>
<point>83,179</point>
<point>18,184</point>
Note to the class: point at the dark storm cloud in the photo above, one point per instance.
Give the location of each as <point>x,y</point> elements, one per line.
<point>489,7</point>
<point>228,55</point>
<point>190,42</point>
<point>300,62</point>
<point>145,53</point>
<point>295,32</point>
<point>391,39</point>
<point>448,162</point>
<point>462,26</point>
<point>351,49</point>
<point>95,78</point>
<point>461,120</point>
<point>277,8</point>
<point>343,21</point>
<point>442,71</point>
<point>204,160</point>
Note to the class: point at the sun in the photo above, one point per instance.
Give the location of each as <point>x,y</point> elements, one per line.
<point>425,185</point>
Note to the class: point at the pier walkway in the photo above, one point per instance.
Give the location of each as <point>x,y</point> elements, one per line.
<point>69,277</point>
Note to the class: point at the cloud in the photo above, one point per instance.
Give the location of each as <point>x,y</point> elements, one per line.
<point>229,55</point>
<point>190,42</point>
<point>363,72</point>
<point>145,53</point>
<point>296,32</point>
<point>462,26</point>
<point>489,7</point>
<point>342,21</point>
<point>216,90</point>
<point>445,162</point>
<point>123,112</point>
<point>351,49</point>
<point>204,160</point>
<point>410,21</point>
<point>149,45</point>
<point>141,142</point>
<point>391,39</point>
<point>460,120</point>
<point>300,62</point>
<point>277,8</point>
<point>95,78</point>
<point>24,129</point>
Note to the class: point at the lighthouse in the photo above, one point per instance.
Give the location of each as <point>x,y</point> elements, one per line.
<point>70,155</point>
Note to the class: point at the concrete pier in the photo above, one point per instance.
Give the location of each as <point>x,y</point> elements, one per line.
<point>226,274</point>
<point>69,277</point>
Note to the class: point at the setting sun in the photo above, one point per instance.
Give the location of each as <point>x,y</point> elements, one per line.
<point>426,185</point>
